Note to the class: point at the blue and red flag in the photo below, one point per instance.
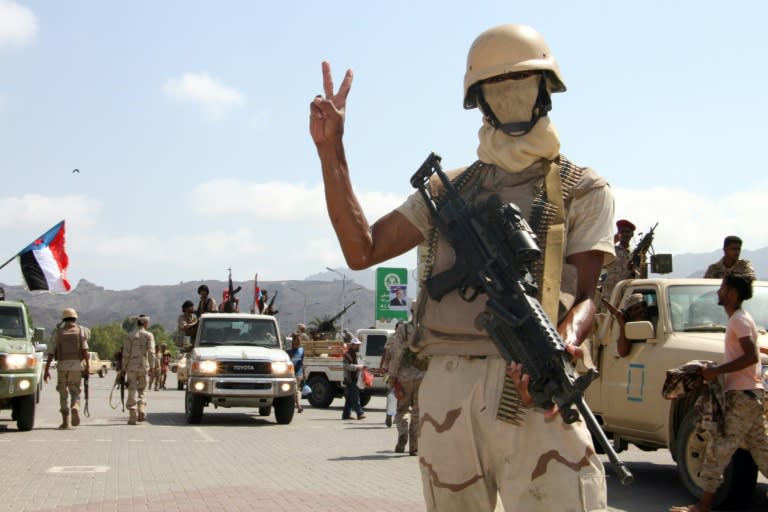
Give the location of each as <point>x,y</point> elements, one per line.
<point>44,262</point>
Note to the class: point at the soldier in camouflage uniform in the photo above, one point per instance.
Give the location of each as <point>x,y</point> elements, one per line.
<point>69,345</point>
<point>730,262</point>
<point>406,370</point>
<point>471,454</point>
<point>620,268</point>
<point>745,422</point>
<point>138,361</point>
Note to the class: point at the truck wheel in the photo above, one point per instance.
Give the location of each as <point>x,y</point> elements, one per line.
<point>102,372</point>
<point>739,477</point>
<point>25,412</point>
<point>364,399</point>
<point>265,411</point>
<point>322,392</point>
<point>284,408</point>
<point>194,405</point>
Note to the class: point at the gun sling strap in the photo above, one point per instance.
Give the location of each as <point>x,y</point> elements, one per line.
<point>547,220</point>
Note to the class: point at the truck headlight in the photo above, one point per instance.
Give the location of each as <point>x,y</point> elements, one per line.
<point>206,366</point>
<point>281,367</point>
<point>20,361</point>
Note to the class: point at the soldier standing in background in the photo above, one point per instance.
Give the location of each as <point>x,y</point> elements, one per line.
<point>207,304</point>
<point>730,262</point>
<point>406,370</point>
<point>69,344</point>
<point>621,267</point>
<point>154,375</point>
<point>186,324</point>
<point>138,360</point>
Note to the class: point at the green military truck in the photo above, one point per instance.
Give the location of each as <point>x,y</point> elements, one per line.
<point>21,364</point>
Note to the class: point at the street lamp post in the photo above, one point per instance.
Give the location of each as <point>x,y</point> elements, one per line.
<point>304,314</point>
<point>343,289</point>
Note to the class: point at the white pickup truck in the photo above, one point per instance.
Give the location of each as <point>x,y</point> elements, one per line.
<point>324,367</point>
<point>237,360</point>
<point>685,324</point>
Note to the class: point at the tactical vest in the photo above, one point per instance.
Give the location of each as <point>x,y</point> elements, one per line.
<point>543,192</point>
<point>68,343</point>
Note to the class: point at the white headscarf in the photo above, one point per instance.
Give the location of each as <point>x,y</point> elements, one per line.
<point>513,100</point>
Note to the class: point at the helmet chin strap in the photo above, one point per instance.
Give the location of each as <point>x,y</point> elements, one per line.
<point>542,105</point>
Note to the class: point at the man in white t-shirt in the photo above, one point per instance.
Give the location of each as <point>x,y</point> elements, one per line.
<point>744,419</point>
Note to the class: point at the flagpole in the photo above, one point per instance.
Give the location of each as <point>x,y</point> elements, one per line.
<point>7,262</point>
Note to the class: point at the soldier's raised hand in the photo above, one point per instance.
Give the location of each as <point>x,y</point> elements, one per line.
<point>326,112</point>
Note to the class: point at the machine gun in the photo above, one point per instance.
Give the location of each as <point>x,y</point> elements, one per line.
<point>270,310</point>
<point>230,306</point>
<point>329,326</point>
<point>494,247</point>
<point>641,249</point>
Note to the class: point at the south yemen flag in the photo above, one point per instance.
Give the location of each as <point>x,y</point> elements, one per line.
<point>44,262</point>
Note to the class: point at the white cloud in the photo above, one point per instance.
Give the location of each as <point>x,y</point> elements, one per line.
<point>694,223</point>
<point>214,98</point>
<point>34,211</point>
<point>279,201</point>
<point>18,24</point>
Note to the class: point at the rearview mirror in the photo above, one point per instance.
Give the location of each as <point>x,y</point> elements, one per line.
<point>642,331</point>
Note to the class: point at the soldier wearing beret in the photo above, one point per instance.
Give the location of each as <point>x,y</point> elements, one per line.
<point>621,268</point>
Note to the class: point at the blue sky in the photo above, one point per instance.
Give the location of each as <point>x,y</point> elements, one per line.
<point>188,122</point>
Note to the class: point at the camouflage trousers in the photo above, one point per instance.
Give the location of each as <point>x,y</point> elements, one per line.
<point>469,459</point>
<point>409,403</point>
<point>745,426</point>
<point>137,384</point>
<point>69,388</point>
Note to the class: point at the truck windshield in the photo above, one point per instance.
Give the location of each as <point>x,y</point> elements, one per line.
<point>695,308</point>
<point>11,323</point>
<point>228,331</point>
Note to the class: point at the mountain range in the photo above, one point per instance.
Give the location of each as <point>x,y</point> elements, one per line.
<point>297,301</point>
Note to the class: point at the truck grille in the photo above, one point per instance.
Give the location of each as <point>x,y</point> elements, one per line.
<point>244,368</point>
<point>244,385</point>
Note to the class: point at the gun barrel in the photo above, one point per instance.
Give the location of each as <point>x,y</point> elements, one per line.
<point>619,467</point>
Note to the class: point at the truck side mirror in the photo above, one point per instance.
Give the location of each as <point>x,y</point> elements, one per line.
<point>39,334</point>
<point>642,331</point>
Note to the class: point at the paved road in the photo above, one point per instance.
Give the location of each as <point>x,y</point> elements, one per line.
<point>237,460</point>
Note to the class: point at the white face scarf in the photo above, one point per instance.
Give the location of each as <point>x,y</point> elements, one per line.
<point>513,100</point>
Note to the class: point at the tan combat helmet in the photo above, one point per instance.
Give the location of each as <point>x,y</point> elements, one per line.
<point>68,313</point>
<point>508,49</point>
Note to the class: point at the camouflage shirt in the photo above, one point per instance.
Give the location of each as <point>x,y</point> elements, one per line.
<point>719,270</point>
<point>404,364</point>
<point>139,351</point>
<point>617,271</point>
